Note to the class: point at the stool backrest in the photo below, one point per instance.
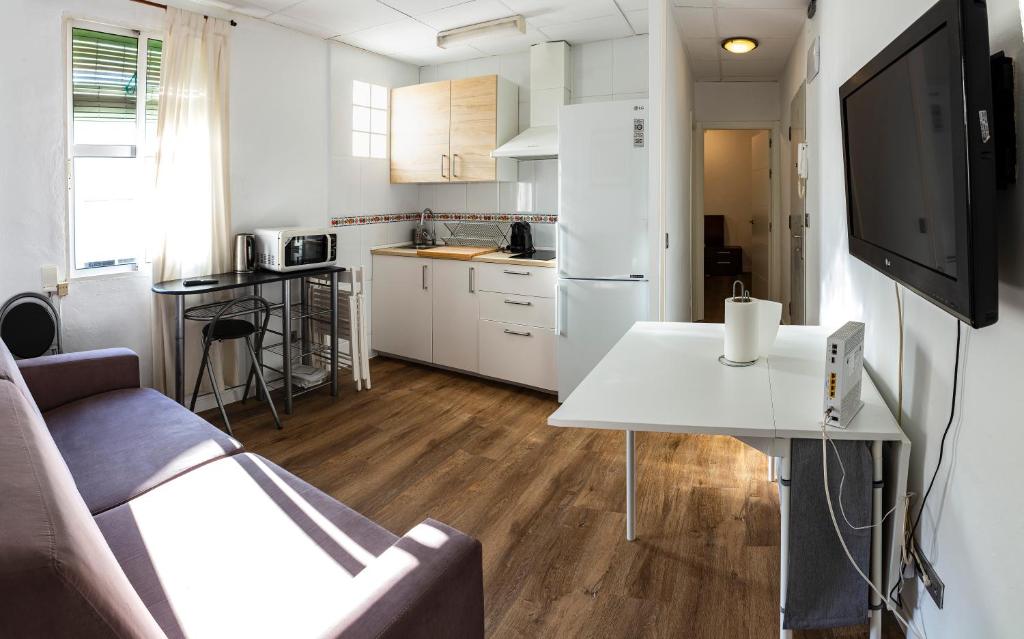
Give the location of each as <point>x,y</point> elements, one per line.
<point>30,325</point>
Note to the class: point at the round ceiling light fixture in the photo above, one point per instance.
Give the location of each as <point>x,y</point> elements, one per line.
<point>739,44</point>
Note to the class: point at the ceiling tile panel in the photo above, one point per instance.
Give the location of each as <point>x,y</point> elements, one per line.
<point>541,13</point>
<point>404,36</point>
<point>512,43</point>
<point>703,48</point>
<point>638,20</point>
<point>417,7</point>
<point>762,68</point>
<point>318,30</point>
<point>343,17</point>
<point>696,23</point>
<point>464,14</point>
<point>605,28</point>
<point>705,70</point>
<point>760,23</point>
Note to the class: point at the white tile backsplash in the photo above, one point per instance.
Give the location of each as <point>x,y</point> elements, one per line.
<point>482,198</point>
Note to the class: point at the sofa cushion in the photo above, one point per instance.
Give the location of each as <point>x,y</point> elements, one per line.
<point>122,443</point>
<point>240,547</point>
<point>58,577</point>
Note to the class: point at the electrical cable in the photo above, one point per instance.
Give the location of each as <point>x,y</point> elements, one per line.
<point>835,524</point>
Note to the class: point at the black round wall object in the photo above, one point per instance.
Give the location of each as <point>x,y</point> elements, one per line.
<point>28,330</point>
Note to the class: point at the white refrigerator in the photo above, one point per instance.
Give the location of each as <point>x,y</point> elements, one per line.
<point>603,244</point>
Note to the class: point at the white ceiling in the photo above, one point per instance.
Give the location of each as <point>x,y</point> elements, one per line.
<point>775,24</point>
<point>407,29</point>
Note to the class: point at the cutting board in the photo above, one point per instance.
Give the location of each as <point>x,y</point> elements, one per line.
<point>455,252</point>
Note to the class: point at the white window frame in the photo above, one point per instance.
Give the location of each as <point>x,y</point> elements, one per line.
<point>73,151</point>
<point>369,129</point>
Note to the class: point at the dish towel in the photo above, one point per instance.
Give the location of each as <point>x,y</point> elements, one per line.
<point>823,590</point>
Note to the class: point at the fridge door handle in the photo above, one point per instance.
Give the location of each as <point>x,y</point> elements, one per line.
<point>559,248</point>
<point>563,311</point>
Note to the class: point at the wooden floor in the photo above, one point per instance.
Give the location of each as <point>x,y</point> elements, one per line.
<point>548,505</point>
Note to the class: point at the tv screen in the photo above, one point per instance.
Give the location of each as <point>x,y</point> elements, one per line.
<point>919,168</point>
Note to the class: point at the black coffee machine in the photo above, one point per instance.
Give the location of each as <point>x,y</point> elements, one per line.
<point>522,238</point>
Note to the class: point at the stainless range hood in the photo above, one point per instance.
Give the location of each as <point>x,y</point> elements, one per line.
<point>550,82</point>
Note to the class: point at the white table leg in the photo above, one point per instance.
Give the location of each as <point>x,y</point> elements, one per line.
<point>876,542</point>
<point>630,486</point>
<point>784,475</point>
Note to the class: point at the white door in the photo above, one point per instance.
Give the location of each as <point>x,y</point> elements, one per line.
<point>456,314</point>
<point>760,215</point>
<point>592,316</point>
<point>797,210</point>
<point>602,190</point>
<point>401,307</point>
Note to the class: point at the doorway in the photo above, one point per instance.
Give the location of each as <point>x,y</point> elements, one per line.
<point>735,210</point>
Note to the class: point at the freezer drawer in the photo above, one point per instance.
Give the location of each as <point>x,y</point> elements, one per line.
<point>535,281</point>
<point>520,354</point>
<point>592,316</point>
<point>518,309</point>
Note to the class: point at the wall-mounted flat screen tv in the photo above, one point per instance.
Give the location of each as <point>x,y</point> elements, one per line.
<point>919,155</point>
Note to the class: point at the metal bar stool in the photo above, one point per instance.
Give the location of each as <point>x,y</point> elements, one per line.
<point>224,327</point>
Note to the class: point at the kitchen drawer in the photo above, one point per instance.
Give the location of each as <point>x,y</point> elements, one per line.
<point>518,309</point>
<point>520,354</point>
<point>723,260</point>
<point>535,281</point>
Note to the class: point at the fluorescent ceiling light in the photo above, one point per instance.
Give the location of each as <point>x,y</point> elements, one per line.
<point>469,32</point>
<point>739,44</point>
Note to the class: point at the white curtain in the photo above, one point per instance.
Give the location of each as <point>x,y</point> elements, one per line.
<point>191,203</point>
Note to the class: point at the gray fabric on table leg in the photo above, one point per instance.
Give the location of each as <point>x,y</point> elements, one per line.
<point>824,590</point>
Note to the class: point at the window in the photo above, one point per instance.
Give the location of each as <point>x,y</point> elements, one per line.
<point>369,120</point>
<point>114,83</point>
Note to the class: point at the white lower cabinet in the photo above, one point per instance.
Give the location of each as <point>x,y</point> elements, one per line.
<point>456,314</point>
<point>518,353</point>
<point>478,317</point>
<point>402,307</point>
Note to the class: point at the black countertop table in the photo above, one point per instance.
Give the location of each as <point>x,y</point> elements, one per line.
<point>253,281</point>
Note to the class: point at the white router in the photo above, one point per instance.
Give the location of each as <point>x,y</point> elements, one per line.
<point>844,367</point>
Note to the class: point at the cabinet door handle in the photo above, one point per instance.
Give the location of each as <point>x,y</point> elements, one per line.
<point>561,319</point>
<point>472,279</point>
<point>424,277</point>
<point>508,272</point>
<point>518,303</point>
<point>455,156</point>
<point>519,333</point>
<point>443,156</point>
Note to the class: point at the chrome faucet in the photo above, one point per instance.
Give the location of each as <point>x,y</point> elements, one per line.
<point>421,236</point>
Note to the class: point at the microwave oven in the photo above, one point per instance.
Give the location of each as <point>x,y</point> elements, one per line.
<point>292,249</point>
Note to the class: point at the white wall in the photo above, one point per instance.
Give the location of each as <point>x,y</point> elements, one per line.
<point>671,134</point>
<point>277,156</point>
<point>974,522</point>
<point>736,101</point>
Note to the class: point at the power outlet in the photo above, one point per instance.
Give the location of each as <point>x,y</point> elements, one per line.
<point>934,585</point>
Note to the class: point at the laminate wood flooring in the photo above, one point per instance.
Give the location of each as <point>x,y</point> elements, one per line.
<point>548,504</point>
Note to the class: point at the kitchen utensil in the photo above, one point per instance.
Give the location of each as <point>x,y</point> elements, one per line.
<point>245,253</point>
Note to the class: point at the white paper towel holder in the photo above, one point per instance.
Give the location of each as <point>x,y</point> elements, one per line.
<point>743,297</point>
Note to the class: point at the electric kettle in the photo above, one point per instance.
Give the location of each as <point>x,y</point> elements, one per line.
<point>245,253</point>
<point>522,238</point>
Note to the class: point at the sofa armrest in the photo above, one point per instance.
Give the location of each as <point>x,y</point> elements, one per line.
<point>429,584</point>
<point>55,380</point>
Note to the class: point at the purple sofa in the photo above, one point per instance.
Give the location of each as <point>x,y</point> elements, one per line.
<point>124,515</point>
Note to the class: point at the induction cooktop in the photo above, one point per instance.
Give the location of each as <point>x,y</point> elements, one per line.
<point>542,256</point>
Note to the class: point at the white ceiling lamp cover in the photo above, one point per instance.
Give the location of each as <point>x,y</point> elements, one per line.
<point>461,35</point>
<point>550,79</point>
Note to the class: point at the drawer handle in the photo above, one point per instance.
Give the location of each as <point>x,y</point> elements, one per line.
<point>472,279</point>
<point>720,262</point>
<point>508,272</point>
<point>518,303</point>
<point>519,333</point>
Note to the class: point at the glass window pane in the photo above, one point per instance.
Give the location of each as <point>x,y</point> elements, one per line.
<point>360,93</point>
<point>108,223</point>
<point>380,97</point>
<point>378,146</point>
<point>378,121</point>
<point>360,144</point>
<point>104,87</point>
<point>360,118</point>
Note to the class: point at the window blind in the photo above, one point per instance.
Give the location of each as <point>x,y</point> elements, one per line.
<point>154,56</point>
<point>104,75</point>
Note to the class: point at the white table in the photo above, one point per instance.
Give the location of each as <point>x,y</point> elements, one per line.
<point>665,377</point>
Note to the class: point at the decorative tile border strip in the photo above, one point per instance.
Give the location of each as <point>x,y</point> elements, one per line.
<point>533,218</point>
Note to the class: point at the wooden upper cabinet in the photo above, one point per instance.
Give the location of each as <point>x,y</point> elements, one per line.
<point>420,122</point>
<point>458,136</point>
